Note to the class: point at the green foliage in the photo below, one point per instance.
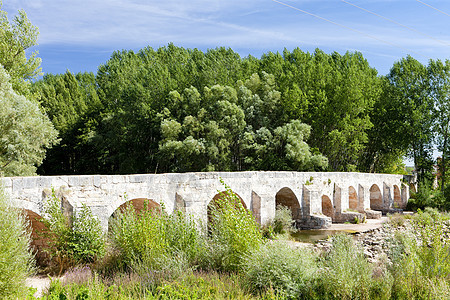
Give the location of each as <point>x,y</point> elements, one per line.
<point>25,132</point>
<point>422,266</point>
<point>174,110</point>
<point>87,240</point>
<point>348,274</point>
<point>15,38</point>
<point>227,129</point>
<point>427,197</point>
<point>72,104</point>
<point>275,265</point>
<point>82,284</point>
<point>72,240</point>
<point>283,221</point>
<point>396,220</point>
<point>233,233</point>
<point>439,77</point>
<point>332,93</point>
<point>409,80</point>
<point>153,239</point>
<point>16,259</point>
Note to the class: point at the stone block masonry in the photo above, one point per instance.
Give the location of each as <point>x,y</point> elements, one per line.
<point>315,198</point>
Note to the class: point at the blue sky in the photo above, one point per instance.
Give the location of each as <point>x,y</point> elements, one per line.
<point>80,35</point>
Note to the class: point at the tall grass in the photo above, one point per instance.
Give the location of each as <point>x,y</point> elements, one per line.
<point>16,259</point>
<point>277,266</point>
<point>233,232</point>
<point>283,222</point>
<point>422,261</point>
<point>154,240</point>
<point>346,274</point>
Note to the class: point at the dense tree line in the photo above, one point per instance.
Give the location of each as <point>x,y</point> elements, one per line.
<point>175,109</point>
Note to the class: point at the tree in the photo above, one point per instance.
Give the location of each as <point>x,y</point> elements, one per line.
<point>410,84</point>
<point>16,37</point>
<point>387,144</point>
<point>332,93</point>
<point>227,129</point>
<point>439,74</point>
<point>25,132</point>
<point>72,104</point>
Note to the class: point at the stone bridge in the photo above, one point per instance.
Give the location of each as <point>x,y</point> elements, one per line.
<point>315,198</point>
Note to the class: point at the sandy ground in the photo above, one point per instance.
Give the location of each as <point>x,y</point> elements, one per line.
<point>41,283</point>
<point>370,224</point>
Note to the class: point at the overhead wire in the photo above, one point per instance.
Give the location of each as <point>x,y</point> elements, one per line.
<point>436,9</point>
<point>397,23</point>
<point>347,27</point>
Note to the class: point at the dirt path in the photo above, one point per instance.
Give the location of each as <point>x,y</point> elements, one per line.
<point>41,283</point>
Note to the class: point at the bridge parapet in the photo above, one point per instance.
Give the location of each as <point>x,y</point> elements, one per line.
<point>310,195</point>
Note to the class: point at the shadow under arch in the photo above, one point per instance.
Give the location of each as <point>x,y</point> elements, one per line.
<point>412,188</point>
<point>38,242</point>
<point>327,207</point>
<point>352,198</point>
<point>376,198</point>
<point>397,197</point>
<point>286,197</point>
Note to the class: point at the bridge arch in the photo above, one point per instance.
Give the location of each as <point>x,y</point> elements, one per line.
<point>215,203</point>
<point>286,197</point>
<point>376,198</point>
<point>327,207</point>
<point>138,205</point>
<point>352,198</point>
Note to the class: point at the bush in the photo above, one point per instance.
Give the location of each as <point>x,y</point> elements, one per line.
<point>72,241</point>
<point>427,197</point>
<point>153,239</point>
<point>233,233</point>
<point>397,220</point>
<point>348,275</point>
<point>283,222</point>
<point>16,259</point>
<point>276,265</point>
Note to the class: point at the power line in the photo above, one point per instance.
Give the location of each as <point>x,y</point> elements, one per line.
<point>397,23</point>
<point>442,12</point>
<point>346,27</point>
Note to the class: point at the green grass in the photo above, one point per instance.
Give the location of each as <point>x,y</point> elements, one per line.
<point>16,259</point>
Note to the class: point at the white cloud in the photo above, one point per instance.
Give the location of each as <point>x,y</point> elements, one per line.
<point>251,24</point>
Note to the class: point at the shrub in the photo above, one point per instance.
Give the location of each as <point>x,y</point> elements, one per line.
<point>16,259</point>
<point>153,239</point>
<point>275,265</point>
<point>396,220</point>
<point>348,275</point>
<point>233,232</point>
<point>283,221</point>
<point>72,240</point>
<point>427,197</point>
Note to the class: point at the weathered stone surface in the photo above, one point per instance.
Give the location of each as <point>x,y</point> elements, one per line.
<point>349,216</point>
<point>372,214</point>
<point>192,192</point>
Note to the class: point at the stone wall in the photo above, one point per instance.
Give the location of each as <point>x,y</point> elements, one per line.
<point>303,192</point>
